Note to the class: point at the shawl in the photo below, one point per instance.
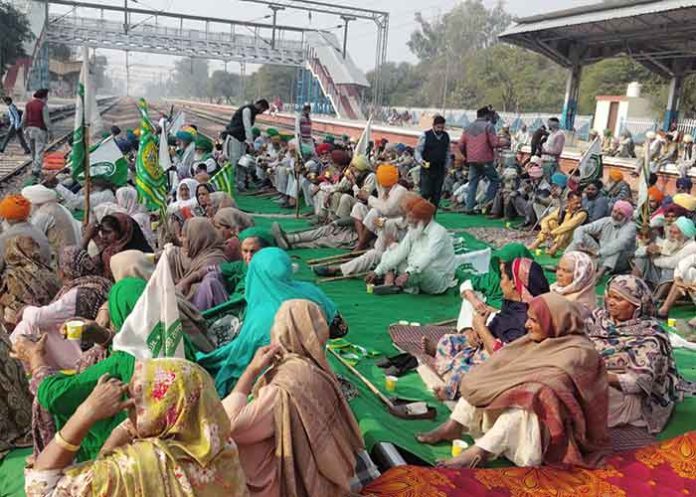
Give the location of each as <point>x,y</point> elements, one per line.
<point>92,290</point>
<point>561,379</point>
<point>26,280</point>
<point>131,263</point>
<point>232,218</point>
<point>528,278</point>
<point>15,401</point>
<point>203,247</point>
<point>182,448</point>
<point>489,283</point>
<point>582,288</point>
<point>641,347</point>
<point>316,435</point>
<point>131,238</point>
<point>268,284</point>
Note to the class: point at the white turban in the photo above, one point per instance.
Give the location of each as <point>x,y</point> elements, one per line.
<point>39,194</point>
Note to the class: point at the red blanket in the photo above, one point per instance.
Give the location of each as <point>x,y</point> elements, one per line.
<point>665,469</point>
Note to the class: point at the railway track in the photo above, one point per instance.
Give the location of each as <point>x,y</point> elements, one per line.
<point>15,164</point>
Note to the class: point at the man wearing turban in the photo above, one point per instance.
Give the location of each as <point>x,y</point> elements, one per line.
<point>617,188</point>
<point>423,261</point>
<point>343,195</point>
<point>51,218</point>
<point>533,198</point>
<point>185,151</point>
<point>14,214</point>
<point>611,239</point>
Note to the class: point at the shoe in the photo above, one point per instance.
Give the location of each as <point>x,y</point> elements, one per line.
<point>279,236</point>
<point>395,360</point>
<point>325,271</point>
<point>401,368</point>
<point>387,290</point>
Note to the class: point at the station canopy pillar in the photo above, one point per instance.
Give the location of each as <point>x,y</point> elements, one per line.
<point>675,91</point>
<point>570,105</point>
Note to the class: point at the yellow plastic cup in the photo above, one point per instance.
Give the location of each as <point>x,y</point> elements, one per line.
<point>74,330</point>
<point>671,322</point>
<point>390,383</point>
<point>458,446</point>
<point>538,252</point>
<point>150,258</point>
<point>370,288</point>
<point>508,225</point>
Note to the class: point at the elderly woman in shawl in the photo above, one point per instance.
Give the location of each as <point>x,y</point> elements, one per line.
<point>229,222</point>
<point>175,442</point>
<point>575,279</point>
<point>481,334</point>
<point>26,280</point>
<point>81,296</point>
<point>15,401</point>
<point>298,436</point>
<point>127,198</point>
<point>191,264</point>
<point>638,356</point>
<point>115,233</point>
<point>541,399</point>
<point>268,284</point>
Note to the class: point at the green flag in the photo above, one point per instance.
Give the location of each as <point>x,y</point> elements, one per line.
<point>223,180</point>
<point>78,138</point>
<point>107,163</point>
<point>150,180</point>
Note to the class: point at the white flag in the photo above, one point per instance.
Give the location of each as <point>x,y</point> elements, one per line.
<point>92,116</point>
<point>361,146</point>
<point>177,122</point>
<point>590,164</point>
<point>154,329</point>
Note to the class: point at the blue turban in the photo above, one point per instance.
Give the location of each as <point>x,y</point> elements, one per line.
<point>559,179</point>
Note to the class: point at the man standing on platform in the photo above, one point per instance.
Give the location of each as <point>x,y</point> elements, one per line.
<point>15,127</point>
<point>552,148</point>
<point>433,154</point>
<point>37,124</point>
<point>239,136</point>
<point>477,144</point>
<point>303,130</point>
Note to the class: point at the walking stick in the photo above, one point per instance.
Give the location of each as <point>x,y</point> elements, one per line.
<point>341,278</point>
<point>312,262</point>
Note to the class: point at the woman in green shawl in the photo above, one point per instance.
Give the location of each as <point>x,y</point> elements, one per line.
<point>268,284</point>
<point>488,283</point>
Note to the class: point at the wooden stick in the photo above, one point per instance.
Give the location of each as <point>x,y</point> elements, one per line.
<point>338,256</point>
<point>444,323</point>
<point>335,260</point>
<point>341,278</point>
<point>367,382</point>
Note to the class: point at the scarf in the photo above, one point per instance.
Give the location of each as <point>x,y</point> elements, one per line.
<point>92,290</point>
<point>131,238</point>
<point>317,437</point>
<point>561,379</point>
<point>582,288</point>
<point>182,449</point>
<point>232,218</point>
<point>528,278</point>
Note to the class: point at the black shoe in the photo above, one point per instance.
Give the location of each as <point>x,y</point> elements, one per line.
<point>325,271</point>
<point>279,236</point>
<point>387,290</point>
<point>394,360</point>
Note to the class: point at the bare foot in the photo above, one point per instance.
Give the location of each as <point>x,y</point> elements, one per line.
<point>470,458</point>
<point>449,430</point>
<point>429,346</point>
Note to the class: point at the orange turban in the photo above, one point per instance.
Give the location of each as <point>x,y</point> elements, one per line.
<point>15,208</point>
<point>616,176</point>
<point>419,208</point>
<point>654,193</point>
<point>387,175</point>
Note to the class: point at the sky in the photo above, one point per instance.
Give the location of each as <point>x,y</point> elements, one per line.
<point>362,34</point>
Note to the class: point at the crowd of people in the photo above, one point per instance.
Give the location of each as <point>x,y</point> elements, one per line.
<point>539,371</point>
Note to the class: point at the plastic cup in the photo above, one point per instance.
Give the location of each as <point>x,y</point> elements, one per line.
<point>508,225</point>
<point>671,322</point>
<point>390,383</point>
<point>538,252</point>
<point>458,446</point>
<point>74,330</point>
<point>403,322</point>
<point>150,258</point>
<point>370,288</point>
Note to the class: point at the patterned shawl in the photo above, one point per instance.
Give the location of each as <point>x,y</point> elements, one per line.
<point>582,288</point>
<point>92,290</point>
<point>561,379</point>
<point>528,278</point>
<point>183,448</point>
<point>131,238</point>
<point>26,279</point>
<point>317,437</point>
<point>640,347</point>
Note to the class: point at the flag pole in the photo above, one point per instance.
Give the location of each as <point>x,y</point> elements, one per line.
<point>85,137</point>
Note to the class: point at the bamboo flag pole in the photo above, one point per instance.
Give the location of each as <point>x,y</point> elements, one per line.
<point>85,134</point>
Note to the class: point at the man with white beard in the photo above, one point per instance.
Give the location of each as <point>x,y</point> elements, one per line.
<point>423,261</point>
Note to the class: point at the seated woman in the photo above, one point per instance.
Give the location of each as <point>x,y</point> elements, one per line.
<point>201,248</point>
<point>230,222</point>
<point>655,263</point>
<point>481,334</point>
<point>557,228</point>
<point>80,297</point>
<point>575,279</point>
<point>127,198</point>
<point>268,284</point>
<point>26,280</point>
<point>115,233</point>
<point>541,399</point>
<point>175,442</point>
<point>15,400</point>
<point>482,289</point>
<point>298,436</point>
<point>643,379</point>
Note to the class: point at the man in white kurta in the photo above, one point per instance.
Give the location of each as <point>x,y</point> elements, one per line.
<point>424,260</point>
